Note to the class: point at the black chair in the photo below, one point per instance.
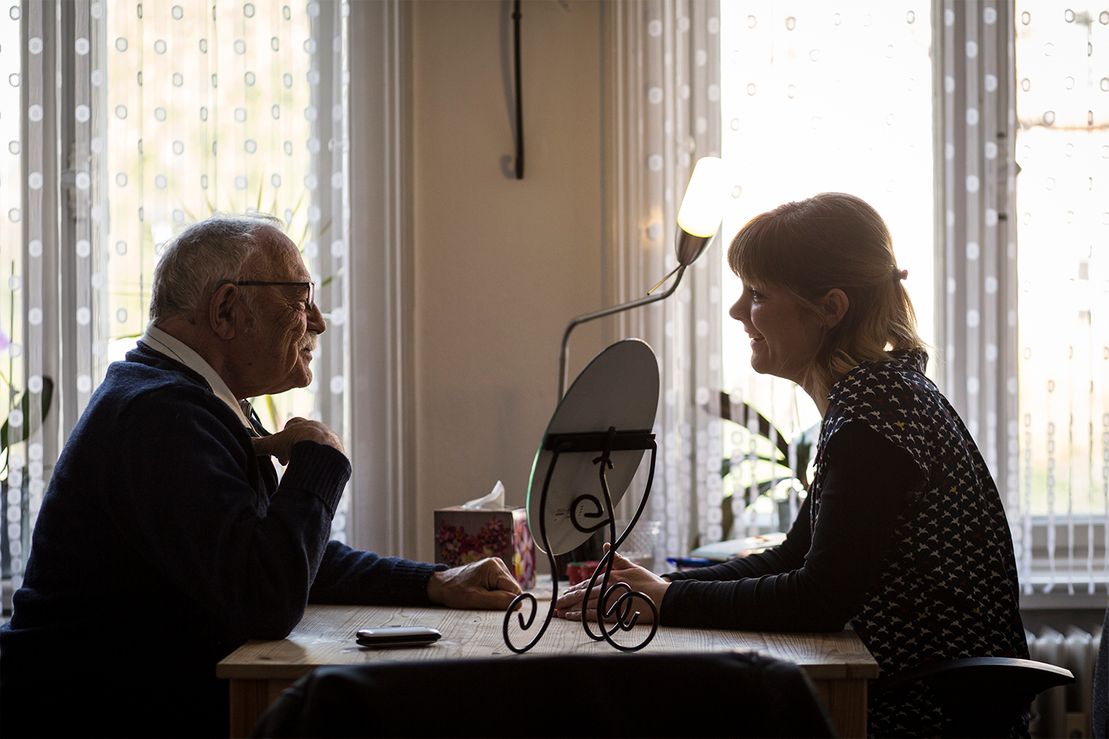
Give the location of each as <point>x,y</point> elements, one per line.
<point>979,696</point>
<point>1101,684</point>
<point>616,695</point>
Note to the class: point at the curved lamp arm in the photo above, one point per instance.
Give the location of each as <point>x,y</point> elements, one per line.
<point>587,317</point>
<point>698,219</point>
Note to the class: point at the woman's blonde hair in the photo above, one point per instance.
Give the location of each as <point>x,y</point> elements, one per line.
<point>833,240</point>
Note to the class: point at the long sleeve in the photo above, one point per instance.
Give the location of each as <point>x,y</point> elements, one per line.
<point>183,500</point>
<point>349,575</point>
<point>787,556</point>
<point>867,488</point>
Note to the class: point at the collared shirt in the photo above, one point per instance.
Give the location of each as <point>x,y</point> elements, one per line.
<point>174,348</point>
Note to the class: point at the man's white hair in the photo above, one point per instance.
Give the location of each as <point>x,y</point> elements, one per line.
<point>202,256</point>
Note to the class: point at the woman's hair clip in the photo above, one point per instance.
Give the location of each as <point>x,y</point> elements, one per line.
<point>900,274</point>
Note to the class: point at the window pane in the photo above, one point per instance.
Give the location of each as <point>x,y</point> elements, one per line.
<point>1062,149</point>
<point>14,507</point>
<point>209,109</point>
<point>821,96</point>
<point>11,209</point>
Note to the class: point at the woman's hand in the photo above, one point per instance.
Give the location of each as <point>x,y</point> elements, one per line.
<point>640,579</point>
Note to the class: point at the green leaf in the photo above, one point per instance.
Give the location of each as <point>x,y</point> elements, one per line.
<point>271,406</point>
<point>43,401</point>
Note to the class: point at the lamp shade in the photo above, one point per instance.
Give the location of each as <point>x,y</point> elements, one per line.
<point>701,210</point>
<point>703,205</point>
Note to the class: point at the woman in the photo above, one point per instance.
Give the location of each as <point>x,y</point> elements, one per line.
<point>902,532</point>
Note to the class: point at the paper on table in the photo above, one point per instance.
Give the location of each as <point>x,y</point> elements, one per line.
<point>724,550</point>
<point>494,500</point>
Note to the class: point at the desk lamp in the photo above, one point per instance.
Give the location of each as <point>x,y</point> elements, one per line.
<point>699,217</point>
<point>601,429</point>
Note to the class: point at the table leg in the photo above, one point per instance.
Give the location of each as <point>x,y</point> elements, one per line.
<point>249,699</point>
<point>846,703</point>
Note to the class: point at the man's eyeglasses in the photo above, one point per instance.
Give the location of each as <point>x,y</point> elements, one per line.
<point>309,303</point>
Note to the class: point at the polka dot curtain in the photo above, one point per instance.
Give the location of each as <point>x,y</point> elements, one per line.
<point>28,238</point>
<point>1026,357</point>
<point>228,107</point>
<point>140,118</point>
<point>665,112</point>
<point>978,362</point>
<point>1061,232</point>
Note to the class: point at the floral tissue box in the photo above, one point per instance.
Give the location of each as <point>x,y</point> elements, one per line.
<point>464,535</point>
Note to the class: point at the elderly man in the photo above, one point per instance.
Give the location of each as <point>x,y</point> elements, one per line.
<point>166,538</point>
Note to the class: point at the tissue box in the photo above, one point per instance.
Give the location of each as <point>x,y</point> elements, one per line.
<point>464,535</point>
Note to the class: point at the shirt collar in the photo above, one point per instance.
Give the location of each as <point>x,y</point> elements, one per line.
<point>173,348</point>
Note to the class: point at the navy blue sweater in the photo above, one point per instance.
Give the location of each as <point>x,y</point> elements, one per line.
<point>163,543</point>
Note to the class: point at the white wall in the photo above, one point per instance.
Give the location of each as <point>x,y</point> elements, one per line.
<point>500,264</point>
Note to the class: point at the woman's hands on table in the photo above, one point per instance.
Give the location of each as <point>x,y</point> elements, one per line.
<point>640,579</point>
<point>486,583</point>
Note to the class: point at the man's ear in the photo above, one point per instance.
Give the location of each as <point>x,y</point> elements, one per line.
<point>833,307</point>
<point>223,309</point>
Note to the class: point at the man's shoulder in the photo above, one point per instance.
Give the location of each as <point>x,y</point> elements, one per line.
<point>137,379</point>
<point>138,406</point>
<point>136,388</point>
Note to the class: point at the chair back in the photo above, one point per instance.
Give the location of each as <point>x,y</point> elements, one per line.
<point>980,696</point>
<point>617,695</point>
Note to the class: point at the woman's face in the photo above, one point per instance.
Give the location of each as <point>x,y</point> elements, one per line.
<point>785,332</point>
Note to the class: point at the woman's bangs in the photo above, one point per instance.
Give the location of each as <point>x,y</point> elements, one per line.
<point>755,252</point>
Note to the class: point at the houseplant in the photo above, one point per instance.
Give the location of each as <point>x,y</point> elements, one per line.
<point>774,463</point>
<point>12,433</point>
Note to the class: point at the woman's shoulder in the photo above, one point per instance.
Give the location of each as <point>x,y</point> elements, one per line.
<point>890,383</point>
<point>894,398</point>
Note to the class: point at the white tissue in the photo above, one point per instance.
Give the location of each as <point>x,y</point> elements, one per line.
<point>494,500</point>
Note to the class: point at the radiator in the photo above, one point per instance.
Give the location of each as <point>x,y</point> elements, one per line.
<point>1066,711</point>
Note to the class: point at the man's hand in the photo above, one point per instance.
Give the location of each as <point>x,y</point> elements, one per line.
<point>640,579</point>
<point>483,584</point>
<point>280,445</point>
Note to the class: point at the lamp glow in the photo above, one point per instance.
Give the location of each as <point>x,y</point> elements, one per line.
<point>702,207</point>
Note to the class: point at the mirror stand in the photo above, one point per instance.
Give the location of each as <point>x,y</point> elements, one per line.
<point>589,513</point>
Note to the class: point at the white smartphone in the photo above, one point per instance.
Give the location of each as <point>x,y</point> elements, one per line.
<point>384,636</point>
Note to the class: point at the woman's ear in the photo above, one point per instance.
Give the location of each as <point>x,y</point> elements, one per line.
<point>833,307</point>
<point>222,309</point>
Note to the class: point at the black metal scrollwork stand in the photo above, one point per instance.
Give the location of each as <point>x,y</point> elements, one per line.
<point>620,612</point>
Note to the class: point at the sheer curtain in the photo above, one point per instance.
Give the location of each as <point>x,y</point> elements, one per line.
<point>1020,282</point>
<point>1062,227</point>
<point>978,281</point>
<point>134,120</point>
<point>662,112</point>
<point>808,108</point>
<point>1026,159</point>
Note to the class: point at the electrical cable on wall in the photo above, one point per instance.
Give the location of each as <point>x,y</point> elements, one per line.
<point>519,103</point>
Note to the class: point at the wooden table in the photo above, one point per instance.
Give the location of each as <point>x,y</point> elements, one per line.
<point>838,664</point>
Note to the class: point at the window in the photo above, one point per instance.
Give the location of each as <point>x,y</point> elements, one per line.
<point>807,107</point>
<point>844,93</point>
<point>1062,195</point>
<point>221,118</point>
<point>122,123</point>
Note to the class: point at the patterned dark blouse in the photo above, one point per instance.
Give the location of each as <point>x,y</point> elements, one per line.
<point>949,587</point>
<point>902,535</point>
